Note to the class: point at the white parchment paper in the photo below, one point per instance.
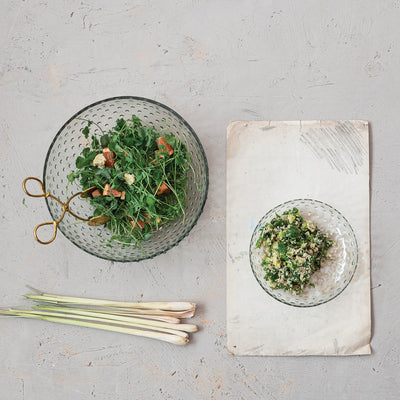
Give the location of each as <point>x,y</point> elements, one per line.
<point>268,163</point>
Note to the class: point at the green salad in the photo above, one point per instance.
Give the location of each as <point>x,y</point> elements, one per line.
<point>293,249</point>
<point>139,175</point>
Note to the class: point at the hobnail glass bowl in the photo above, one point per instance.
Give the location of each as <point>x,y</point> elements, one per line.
<point>68,144</point>
<point>336,272</point>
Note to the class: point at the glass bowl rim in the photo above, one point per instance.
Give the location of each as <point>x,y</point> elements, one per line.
<point>191,130</point>
<point>351,230</point>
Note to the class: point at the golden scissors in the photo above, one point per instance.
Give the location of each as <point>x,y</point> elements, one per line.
<point>95,221</point>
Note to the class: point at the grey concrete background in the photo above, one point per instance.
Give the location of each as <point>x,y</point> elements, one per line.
<point>213,62</point>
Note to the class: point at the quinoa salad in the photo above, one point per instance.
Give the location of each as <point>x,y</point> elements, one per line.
<point>293,249</point>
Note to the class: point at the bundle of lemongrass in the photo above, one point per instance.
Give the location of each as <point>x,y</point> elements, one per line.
<point>158,320</point>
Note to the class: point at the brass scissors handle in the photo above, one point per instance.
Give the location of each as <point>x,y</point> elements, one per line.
<point>55,225</point>
<point>43,194</point>
<point>65,207</point>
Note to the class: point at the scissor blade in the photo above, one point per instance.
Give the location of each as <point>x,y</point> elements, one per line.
<point>97,221</point>
<point>87,193</point>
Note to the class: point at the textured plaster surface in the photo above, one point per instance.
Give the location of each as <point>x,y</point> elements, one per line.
<point>213,62</point>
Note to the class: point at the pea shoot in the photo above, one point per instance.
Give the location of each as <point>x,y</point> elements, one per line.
<point>140,177</point>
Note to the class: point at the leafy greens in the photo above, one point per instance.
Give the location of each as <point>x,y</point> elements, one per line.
<point>143,184</point>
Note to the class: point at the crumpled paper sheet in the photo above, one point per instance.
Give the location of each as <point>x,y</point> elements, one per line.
<point>268,163</point>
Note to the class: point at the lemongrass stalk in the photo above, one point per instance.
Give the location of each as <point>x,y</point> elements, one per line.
<point>174,339</point>
<point>171,320</point>
<point>139,321</point>
<point>105,320</point>
<point>167,306</point>
<point>149,313</point>
<point>174,314</point>
<point>97,321</point>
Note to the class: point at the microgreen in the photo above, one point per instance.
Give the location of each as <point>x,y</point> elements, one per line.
<point>134,149</point>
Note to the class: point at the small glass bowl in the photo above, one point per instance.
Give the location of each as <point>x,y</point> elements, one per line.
<point>336,272</point>
<point>67,146</point>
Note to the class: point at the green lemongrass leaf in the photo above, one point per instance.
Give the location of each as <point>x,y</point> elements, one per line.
<point>34,289</point>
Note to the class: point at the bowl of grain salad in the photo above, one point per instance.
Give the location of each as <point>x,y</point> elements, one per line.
<point>303,252</point>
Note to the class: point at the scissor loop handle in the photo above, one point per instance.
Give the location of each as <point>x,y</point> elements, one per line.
<point>43,194</point>
<point>54,223</point>
<point>65,209</point>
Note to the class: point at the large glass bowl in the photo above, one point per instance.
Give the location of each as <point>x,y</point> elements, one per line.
<point>67,146</point>
<point>336,272</point>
